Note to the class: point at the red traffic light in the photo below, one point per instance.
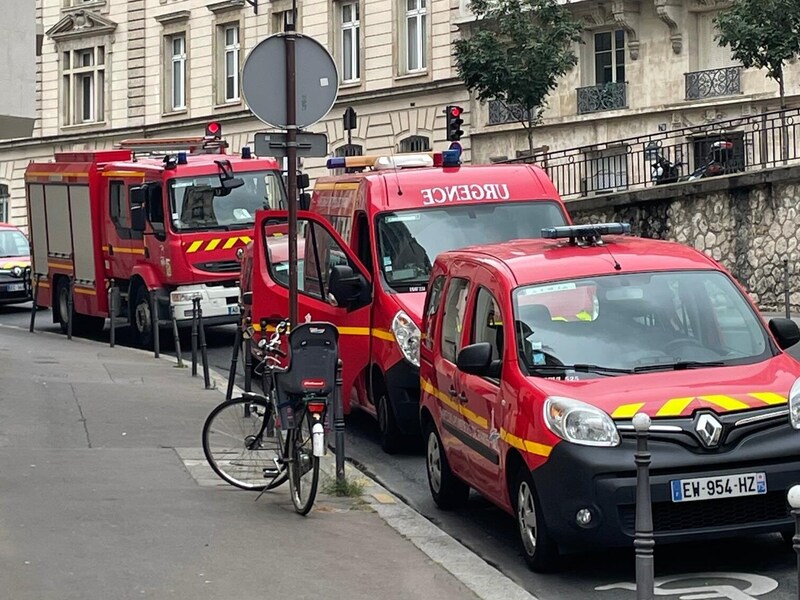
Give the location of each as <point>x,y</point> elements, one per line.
<point>456,111</point>
<point>214,129</point>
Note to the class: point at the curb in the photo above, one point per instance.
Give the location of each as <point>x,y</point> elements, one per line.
<point>484,580</point>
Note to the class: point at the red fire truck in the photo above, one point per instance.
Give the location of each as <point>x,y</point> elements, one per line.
<point>155,224</point>
<point>365,251</point>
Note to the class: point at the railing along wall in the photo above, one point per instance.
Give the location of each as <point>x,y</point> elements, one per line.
<point>760,141</point>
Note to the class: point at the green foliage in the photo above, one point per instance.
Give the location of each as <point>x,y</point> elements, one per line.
<point>332,487</point>
<point>762,34</point>
<point>517,51</point>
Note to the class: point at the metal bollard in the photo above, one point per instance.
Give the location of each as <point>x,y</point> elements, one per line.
<point>177,336</point>
<point>794,501</point>
<point>155,322</point>
<point>34,306</point>
<point>70,312</point>
<point>786,287</point>
<point>112,316</point>
<point>234,359</point>
<point>204,354</point>
<point>248,364</point>
<point>195,307</point>
<point>338,424</point>
<point>643,538</point>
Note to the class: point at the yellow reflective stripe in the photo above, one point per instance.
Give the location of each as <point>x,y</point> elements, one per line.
<point>246,239</point>
<point>626,411</point>
<point>455,406</point>
<point>52,173</point>
<point>674,407</point>
<point>44,284</point>
<point>725,402</point>
<point>769,397</point>
<point>124,250</point>
<point>213,244</point>
<point>383,334</point>
<point>378,333</point>
<point>584,316</point>
<point>123,174</point>
<point>195,246</point>
<point>86,291</point>
<point>228,243</point>
<point>525,445</point>
<point>558,319</point>
<point>55,265</point>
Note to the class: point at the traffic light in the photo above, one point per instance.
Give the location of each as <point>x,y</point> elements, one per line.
<point>214,130</point>
<point>454,122</point>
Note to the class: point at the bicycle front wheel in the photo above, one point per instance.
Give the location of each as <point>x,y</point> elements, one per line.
<point>241,447</point>
<point>303,465</point>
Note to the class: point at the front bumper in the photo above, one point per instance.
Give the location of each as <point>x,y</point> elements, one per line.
<point>402,385</point>
<point>220,305</point>
<point>604,481</point>
<point>13,289</point>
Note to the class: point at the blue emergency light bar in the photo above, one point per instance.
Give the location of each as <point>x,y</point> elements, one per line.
<point>585,231</point>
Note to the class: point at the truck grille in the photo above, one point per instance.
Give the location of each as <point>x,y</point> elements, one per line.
<point>220,266</point>
<point>680,516</point>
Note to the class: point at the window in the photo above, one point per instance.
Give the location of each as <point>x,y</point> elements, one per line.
<point>727,156</point>
<point>415,143</point>
<point>609,170</point>
<point>488,323</point>
<point>431,308</point>
<point>118,206</point>
<point>453,323</point>
<point>416,35</point>
<point>281,19</point>
<point>609,57</point>
<point>13,243</point>
<point>351,44</point>
<point>4,201</point>
<point>231,50</point>
<point>176,51</point>
<point>84,85</point>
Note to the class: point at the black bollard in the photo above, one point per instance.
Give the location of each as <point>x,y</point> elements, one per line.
<point>248,361</point>
<point>643,538</point>
<point>234,359</point>
<point>34,306</point>
<point>177,336</point>
<point>338,424</point>
<point>70,311</point>
<point>794,501</point>
<point>195,307</point>
<point>155,322</point>
<point>203,352</point>
<point>112,316</point>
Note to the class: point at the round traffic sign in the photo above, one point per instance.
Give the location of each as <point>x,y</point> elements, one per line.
<point>264,80</point>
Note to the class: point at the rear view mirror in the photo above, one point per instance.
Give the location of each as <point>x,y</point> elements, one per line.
<point>476,359</point>
<point>227,181</point>
<point>785,331</point>
<point>138,195</point>
<point>247,298</point>
<point>303,181</point>
<point>305,201</point>
<point>138,217</point>
<point>346,288</point>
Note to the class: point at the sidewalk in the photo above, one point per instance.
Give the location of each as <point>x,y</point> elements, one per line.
<point>104,494</point>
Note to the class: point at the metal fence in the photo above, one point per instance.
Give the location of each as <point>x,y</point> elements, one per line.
<point>756,142</point>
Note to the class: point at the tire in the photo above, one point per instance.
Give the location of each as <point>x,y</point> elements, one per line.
<point>62,305</point>
<point>302,462</point>
<point>142,319</point>
<point>447,490</point>
<point>538,548</point>
<point>392,440</point>
<point>232,447</point>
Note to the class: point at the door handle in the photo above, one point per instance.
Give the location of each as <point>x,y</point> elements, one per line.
<point>461,397</point>
<point>453,392</point>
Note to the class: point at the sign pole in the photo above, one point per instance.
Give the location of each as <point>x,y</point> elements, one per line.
<point>291,159</point>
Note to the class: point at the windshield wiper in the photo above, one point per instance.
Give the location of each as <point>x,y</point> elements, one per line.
<point>581,368</point>
<point>679,366</point>
<point>206,228</point>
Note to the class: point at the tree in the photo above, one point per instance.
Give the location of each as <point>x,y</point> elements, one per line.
<point>517,51</point>
<point>762,33</point>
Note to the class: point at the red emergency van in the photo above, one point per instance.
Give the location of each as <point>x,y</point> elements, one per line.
<point>370,239</point>
<point>538,354</point>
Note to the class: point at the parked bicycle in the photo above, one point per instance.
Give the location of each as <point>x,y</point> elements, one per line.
<point>257,442</point>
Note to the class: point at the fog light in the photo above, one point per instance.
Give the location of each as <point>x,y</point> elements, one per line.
<point>583,517</point>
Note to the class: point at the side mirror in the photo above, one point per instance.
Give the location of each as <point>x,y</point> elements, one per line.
<point>247,298</point>
<point>138,217</point>
<point>138,195</point>
<point>346,288</point>
<point>305,201</point>
<point>303,181</point>
<point>785,331</point>
<point>476,359</point>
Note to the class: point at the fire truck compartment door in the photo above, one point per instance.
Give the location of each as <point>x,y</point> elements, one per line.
<point>84,241</point>
<point>59,228</point>
<point>38,228</point>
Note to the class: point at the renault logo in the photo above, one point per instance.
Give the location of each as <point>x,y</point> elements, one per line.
<point>709,429</point>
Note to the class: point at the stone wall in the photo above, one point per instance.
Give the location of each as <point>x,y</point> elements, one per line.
<point>749,223</point>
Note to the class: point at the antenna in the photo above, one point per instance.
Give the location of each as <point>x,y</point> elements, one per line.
<point>396,176</point>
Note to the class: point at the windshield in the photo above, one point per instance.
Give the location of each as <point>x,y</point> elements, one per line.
<point>636,323</point>
<point>194,205</point>
<point>13,243</point>
<point>410,240</point>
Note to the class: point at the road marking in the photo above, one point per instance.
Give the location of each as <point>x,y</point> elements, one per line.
<point>748,586</point>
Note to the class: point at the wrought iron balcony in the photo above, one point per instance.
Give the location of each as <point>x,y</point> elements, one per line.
<point>500,113</point>
<point>713,82</point>
<point>606,96</point>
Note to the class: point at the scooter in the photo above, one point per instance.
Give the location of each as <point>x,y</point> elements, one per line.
<point>720,160</point>
<point>662,170</point>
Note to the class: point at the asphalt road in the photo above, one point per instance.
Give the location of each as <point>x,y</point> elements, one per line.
<point>741,568</point>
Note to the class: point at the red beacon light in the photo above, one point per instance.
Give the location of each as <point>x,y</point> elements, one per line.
<point>438,159</point>
<point>214,130</point>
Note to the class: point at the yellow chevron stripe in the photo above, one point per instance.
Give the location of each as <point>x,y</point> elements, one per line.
<point>246,239</point>
<point>626,411</point>
<point>195,246</point>
<point>769,397</point>
<point>725,402</point>
<point>213,244</point>
<point>230,242</point>
<point>674,407</point>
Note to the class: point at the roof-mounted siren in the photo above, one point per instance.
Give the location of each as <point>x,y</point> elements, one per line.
<point>585,234</point>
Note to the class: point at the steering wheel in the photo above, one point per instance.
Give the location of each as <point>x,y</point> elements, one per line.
<point>680,342</point>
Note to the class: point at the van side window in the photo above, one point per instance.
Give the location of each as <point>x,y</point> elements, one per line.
<point>431,308</point>
<point>364,250</point>
<point>488,323</point>
<point>118,207</point>
<point>453,323</point>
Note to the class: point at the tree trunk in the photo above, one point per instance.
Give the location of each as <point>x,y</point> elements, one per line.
<point>783,132</point>
<point>529,131</point>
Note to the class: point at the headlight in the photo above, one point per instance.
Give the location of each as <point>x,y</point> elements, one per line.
<point>16,271</point>
<point>407,334</point>
<point>579,423</point>
<point>180,297</point>
<point>794,405</point>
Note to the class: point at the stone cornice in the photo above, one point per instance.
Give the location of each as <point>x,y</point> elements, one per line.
<point>626,15</point>
<point>671,13</point>
<point>179,16</point>
<point>80,23</point>
<point>226,5</point>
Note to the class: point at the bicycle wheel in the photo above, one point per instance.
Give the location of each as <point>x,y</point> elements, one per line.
<point>240,448</point>
<point>303,465</point>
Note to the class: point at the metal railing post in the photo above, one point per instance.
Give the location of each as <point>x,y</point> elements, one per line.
<point>155,322</point>
<point>794,501</point>
<point>786,287</point>
<point>643,538</point>
<point>34,306</point>
<point>237,342</point>
<point>177,336</point>
<point>70,307</point>
<point>203,352</point>
<point>338,424</point>
<point>195,305</point>
<point>112,316</point>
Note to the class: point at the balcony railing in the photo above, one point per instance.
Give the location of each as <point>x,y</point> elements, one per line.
<point>759,141</point>
<point>606,96</point>
<point>501,113</point>
<point>713,83</point>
